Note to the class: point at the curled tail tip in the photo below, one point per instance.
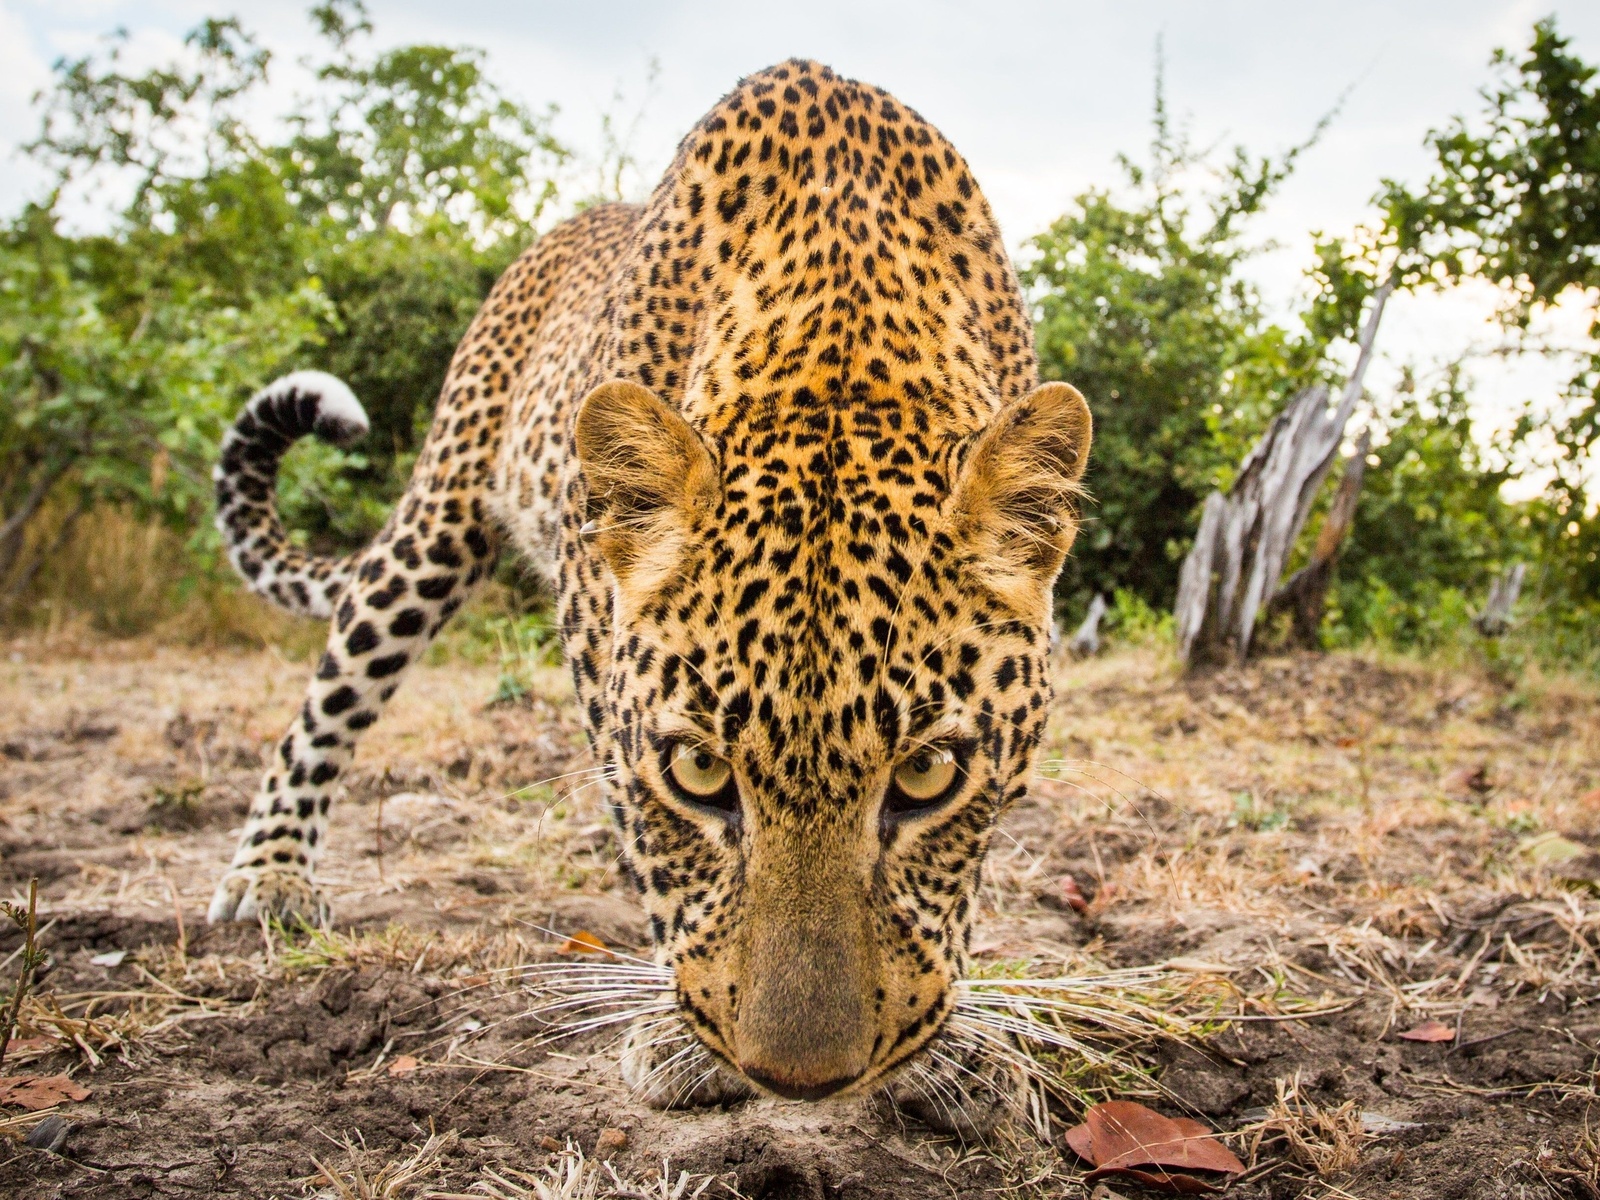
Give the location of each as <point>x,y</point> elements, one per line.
<point>287,409</point>
<point>303,402</point>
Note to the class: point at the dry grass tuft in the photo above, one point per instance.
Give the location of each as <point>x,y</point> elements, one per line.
<point>172,991</point>
<point>142,1018</point>
<point>114,573</point>
<point>570,1175</point>
<point>1573,1170</point>
<point>393,1180</point>
<point>472,952</point>
<point>1083,1037</point>
<point>1328,1141</point>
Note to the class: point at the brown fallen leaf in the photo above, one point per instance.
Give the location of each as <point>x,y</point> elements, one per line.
<point>403,1064</point>
<point>1125,1138</point>
<point>1471,781</point>
<point>549,1143</point>
<point>584,942</point>
<point>34,1092</point>
<point>1429,1031</point>
<point>30,1045</point>
<point>1071,895</point>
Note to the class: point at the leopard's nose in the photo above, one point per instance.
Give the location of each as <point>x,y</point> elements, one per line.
<point>796,1091</point>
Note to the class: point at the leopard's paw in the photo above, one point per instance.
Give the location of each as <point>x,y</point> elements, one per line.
<point>667,1067</point>
<point>249,893</point>
<point>960,1090</point>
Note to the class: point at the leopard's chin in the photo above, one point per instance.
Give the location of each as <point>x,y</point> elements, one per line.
<point>947,1085</point>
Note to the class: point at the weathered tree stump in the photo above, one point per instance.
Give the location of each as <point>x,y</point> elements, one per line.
<point>1086,642</point>
<point>1245,537</point>
<point>1304,594</point>
<point>1495,619</point>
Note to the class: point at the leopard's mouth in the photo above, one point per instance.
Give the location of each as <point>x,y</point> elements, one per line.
<point>952,1077</point>
<point>879,1072</point>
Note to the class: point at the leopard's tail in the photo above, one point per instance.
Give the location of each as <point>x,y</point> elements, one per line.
<point>246,478</point>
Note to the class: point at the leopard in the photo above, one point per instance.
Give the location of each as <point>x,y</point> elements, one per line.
<point>777,442</point>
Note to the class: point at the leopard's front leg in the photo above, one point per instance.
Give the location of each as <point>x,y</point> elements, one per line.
<point>963,1085</point>
<point>668,1068</point>
<point>404,588</point>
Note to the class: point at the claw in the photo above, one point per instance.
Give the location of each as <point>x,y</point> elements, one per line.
<point>248,894</point>
<point>671,1072</point>
<point>969,1095</point>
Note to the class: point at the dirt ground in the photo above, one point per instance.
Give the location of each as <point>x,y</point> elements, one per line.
<point>1386,842</point>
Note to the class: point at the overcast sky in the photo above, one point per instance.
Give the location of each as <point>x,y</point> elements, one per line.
<point>1039,96</point>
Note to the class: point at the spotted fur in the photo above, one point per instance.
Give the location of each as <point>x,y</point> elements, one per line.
<point>777,439</point>
<point>302,403</point>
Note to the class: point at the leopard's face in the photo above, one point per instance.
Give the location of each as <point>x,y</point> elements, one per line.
<point>814,720</point>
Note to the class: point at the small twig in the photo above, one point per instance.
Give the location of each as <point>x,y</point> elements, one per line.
<point>31,959</point>
<point>48,926</point>
<point>177,911</point>
<point>1308,1015</point>
<point>1478,1041</point>
<point>377,836</point>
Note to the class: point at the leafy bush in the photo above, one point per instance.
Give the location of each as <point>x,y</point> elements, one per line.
<point>1133,622</point>
<point>1141,303</point>
<point>1430,529</point>
<point>95,411</point>
<point>361,242</point>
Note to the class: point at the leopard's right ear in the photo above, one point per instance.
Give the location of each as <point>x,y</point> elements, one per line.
<point>648,475</point>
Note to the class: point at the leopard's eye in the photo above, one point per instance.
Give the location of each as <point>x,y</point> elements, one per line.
<point>699,776</point>
<point>923,780</point>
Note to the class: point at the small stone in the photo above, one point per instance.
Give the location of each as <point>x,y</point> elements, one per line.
<point>609,1140</point>
<point>49,1133</point>
<point>549,1143</point>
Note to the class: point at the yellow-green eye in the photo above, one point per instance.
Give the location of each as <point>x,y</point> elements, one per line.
<point>697,772</point>
<point>925,777</point>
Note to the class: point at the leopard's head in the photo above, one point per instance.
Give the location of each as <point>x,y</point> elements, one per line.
<point>827,679</point>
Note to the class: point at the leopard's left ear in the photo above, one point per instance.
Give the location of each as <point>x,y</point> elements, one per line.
<point>648,474</point>
<point>1014,504</point>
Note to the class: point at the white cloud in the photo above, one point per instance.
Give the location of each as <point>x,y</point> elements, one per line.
<point>22,73</point>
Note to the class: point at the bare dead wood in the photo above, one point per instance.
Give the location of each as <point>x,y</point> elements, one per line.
<point>1495,619</point>
<point>1086,642</point>
<point>1304,594</point>
<point>1245,537</point>
<point>13,527</point>
<point>26,920</point>
<point>22,580</point>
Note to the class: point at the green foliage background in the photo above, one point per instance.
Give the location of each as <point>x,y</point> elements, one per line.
<point>1141,304</point>
<point>363,237</point>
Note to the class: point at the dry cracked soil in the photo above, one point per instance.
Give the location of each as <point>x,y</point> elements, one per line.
<point>1382,841</point>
